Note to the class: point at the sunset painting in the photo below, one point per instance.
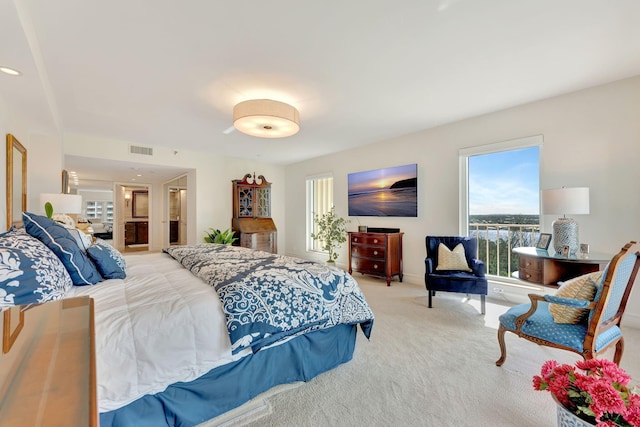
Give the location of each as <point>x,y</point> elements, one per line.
<point>384,192</point>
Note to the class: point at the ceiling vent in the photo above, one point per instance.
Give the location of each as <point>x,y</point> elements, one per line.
<point>136,149</point>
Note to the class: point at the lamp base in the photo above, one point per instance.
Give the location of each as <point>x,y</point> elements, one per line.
<point>565,233</point>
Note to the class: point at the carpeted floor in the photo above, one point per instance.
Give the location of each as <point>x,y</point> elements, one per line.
<point>424,367</point>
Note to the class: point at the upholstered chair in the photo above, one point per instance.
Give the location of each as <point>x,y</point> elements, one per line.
<point>574,321</point>
<point>453,267</point>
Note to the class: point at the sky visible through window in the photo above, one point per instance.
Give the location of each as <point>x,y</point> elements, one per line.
<point>506,182</point>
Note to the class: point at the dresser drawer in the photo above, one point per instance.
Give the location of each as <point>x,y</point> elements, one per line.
<point>368,239</point>
<point>369,251</point>
<point>531,264</point>
<point>372,266</point>
<point>530,275</point>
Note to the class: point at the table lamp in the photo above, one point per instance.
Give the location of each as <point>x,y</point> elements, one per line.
<point>572,201</point>
<point>63,203</point>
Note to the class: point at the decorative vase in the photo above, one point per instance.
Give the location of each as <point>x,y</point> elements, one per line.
<point>566,418</point>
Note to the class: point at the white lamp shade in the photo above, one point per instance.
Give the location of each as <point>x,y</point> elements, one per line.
<point>63,203</point>
<point>266,118</point>
<point>564,201</point>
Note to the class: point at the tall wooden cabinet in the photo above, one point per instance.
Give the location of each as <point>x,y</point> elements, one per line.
<point>252,221</point>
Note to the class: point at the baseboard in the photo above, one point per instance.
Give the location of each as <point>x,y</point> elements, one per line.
<point>630,321</point>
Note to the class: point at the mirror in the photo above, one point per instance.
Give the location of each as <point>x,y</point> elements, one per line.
<point>16,181</point>
<point>140,201</point>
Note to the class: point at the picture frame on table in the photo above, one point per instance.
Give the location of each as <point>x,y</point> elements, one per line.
<point>584,250</point>
<point>543,241</point>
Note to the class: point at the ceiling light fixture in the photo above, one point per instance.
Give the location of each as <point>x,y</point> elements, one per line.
<point>266,118</point>
<point>10,71</point>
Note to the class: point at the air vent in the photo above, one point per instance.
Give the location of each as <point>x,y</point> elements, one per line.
<point>136,149</point>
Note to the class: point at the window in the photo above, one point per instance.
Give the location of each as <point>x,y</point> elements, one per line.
<point>98,211</point>
<point>500,200</point>
<point>319,202</point>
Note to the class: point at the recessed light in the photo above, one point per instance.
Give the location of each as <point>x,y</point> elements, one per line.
<point>139,175</point>
<point>10,71</point>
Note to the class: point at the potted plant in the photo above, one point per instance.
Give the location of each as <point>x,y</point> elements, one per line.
<point>596,391</point>
<point>332,232</point>
<point>225,237</point>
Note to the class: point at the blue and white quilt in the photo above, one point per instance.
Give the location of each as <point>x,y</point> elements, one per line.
<point>267,298</point>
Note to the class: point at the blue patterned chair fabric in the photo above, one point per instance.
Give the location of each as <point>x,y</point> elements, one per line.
<point>473,282</point>
<point>598,332</point>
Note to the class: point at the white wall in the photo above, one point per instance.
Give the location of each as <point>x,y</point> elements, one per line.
<point>210,198</point>
<point>591,138</point>
<point>44,159</point>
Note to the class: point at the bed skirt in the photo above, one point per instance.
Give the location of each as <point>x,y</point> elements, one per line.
<point>229,386</point>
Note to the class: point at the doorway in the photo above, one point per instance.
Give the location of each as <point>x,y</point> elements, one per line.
<point>133,212</point>
<point>176,191</point>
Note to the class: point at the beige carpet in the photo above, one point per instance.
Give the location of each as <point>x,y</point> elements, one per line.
<point>424,367</point>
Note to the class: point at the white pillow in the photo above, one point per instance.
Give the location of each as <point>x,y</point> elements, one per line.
<point>452,259</point>
<point>64,220</point>
<point>82,239</point>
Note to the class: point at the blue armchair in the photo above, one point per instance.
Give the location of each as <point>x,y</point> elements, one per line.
<point>472,281</point>
<point>591,334</point>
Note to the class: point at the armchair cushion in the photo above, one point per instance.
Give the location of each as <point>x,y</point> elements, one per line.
<point>452,259</point>
<point>579,288</point>
<point>542,325</point>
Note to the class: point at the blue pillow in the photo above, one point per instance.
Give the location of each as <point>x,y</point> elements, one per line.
<point>109,261</point>
<point>29,272</point>
<point>58,239</point>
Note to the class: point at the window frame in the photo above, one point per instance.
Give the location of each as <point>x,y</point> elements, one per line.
<point>465,153</point>
<point>311,209</point>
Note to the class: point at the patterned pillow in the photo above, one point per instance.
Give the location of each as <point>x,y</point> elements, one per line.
<point>29,271</point>
<point>582,287</point>
<point>452,259</point>
<point>109,261</point>
<point>58,239</point>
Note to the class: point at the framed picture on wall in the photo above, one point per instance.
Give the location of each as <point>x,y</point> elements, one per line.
<point>140,200</point>
<point>543,241</point>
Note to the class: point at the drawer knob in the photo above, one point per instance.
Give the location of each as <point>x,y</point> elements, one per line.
<point>375,240</point>
<point>355,249</point>
<point>528,276</point>
<point>528,264</point>
<point>355,239</point>
<point>375,252</point>
<point>375,266</point>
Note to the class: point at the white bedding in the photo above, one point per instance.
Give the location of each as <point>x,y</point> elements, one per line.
<point>158,326</point>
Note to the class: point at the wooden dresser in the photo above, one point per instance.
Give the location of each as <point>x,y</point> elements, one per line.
<point>47,365</point>
<point>377,254</point>
<point>136,232</point>
<point>540,267</point>
<point>252,221</point>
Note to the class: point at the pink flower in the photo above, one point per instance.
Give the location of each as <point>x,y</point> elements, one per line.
<point>548,368</point>
<point>595,387</point>
<point>605,399</point>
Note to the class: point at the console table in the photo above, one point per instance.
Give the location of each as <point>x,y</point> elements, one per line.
<point>47,365</point>
<point>540,267</point>
<point>377,254</point>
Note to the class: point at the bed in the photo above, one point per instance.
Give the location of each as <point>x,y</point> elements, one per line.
<point>198,330</point>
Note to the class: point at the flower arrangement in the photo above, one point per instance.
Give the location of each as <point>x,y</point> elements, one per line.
<point>595,390</point>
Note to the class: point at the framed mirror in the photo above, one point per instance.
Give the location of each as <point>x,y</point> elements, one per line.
<point>140,201</point>
<point>16,181</point>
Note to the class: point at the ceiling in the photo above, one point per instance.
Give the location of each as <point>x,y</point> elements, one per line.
<point>168,73</point>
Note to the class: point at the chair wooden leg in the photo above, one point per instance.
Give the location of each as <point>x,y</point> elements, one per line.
<point>503,348</point>
<point>617,357</point>
<point>482,304</point>
<point>430,295</point>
